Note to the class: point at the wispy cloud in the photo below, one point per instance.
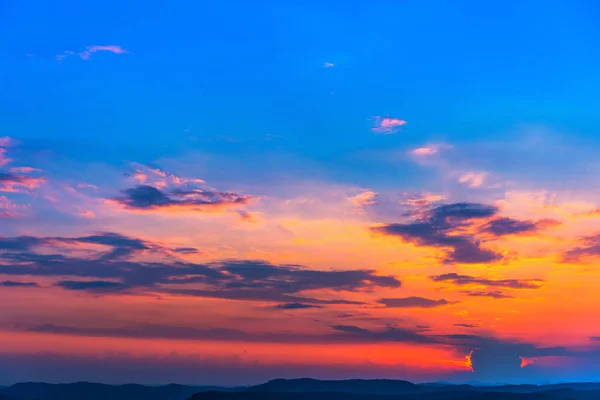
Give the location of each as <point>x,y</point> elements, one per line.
<point>87,53</point>
<point>424,151</point>
<point>89,50</point>
<point>6,141</point>
<point>457,279</point>
<point>3,158</point>
<point>473,179</point>
<point>413,302</point>
<point>387,125</point>
<point>364,198</point>
<point>24,170</point>
<point>328,65</point>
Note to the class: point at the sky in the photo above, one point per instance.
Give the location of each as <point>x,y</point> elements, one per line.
<point>226,192</point>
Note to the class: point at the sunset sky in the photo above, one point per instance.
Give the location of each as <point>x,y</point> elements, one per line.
<point>226,192</point>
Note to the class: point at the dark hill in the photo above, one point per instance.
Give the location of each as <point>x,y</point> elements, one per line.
<point>98,391</point>
<point>566,394</point>
<point>358,386</point>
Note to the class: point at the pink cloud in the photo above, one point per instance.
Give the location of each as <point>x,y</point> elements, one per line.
<point>387,125</point>
<point>3,158</point>
<point>473,179</point>
<point>422,199</point>
<point>9,209</point>
<point>13,183</point>
<point>87,214</point>
<point>89,50</point>
<point>6,141</point>
<point>24,170</point>
<point>364,198</point>
<point>425,151</point>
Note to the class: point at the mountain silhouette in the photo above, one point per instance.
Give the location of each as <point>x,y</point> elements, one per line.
<point>98,391</point>
<point>302,389</point>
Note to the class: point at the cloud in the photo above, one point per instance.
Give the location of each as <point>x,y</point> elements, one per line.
<point>590,247</point>
<point>93,286</point>
<point>18,284</point>
<point>89,50</point>
<point>467,325</point>
<point>6,141</point>
<point>147,198</point>
<point>387,125</point>
<point>457,279</point>
<point>595,338</point>
<point>3,158</point>
<point>412,302</point>
<point>364,198</point>
<point>16,183</point>
<point>328,65</point>
<point>295,306</point>
<point>421,200</point>
<point>496,294</point>
<point>425,151</point>
<point>390,334</point>
<point>509,226</point>
<point>24,170</point>
<point>473,179</point>
<point>185,250</point>
<point>115,271</point>
<point>437,229</point>
<point>8,209</point>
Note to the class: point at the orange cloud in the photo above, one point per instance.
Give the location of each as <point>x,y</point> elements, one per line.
<point>527,361</point>
<point>364,198</point>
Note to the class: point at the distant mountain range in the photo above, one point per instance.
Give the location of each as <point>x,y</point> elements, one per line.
<point>301,389</point>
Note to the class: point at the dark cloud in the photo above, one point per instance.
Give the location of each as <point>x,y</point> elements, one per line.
<point>295,306</point>
<point>185,250</point>
<point>595,338</point>
<point>460,212</point>
<point>20,243</point>
<point>93,286</point>
<point>145,197</point>
<point>412,302</point>
<point>112,272</point>
<point>467,325</point>
<point>590,246</point>
<point>496,294</point>
<point>509,226</point>
<point>390,334</point>
<point>438,229</point>
<point>340,334</point>
<point>473,280</point>
<point>18,284</point>
<point>121,246</point>
<point>174,332</point>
